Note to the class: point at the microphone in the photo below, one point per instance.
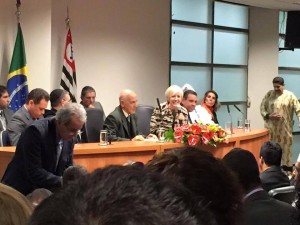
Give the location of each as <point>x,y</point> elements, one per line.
<point>238,109</point>
<point>228,110</point>
<point>174,113</point>
<point>178,109</point>
<point>159,107</point>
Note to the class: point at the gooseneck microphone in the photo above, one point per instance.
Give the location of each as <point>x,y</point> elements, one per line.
<point>238,109</point>
<point>228,110</point>
<point>174,114</point>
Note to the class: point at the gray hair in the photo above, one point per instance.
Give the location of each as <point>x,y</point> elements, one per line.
<point>65,113</point>
<point>172,90</point>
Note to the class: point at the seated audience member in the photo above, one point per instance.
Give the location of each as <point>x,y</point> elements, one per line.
<point>15,209</point>
<point>122,195</point>
<point>208,179</point>
<point>171,114</point>
<point>45,150</point>
<point>121,124</point>
<point>189,101</point>
<point>206,111</point>
<point>88,97</point>
<point>269,162</point>
<point>38,195</point>
<point>72,174</point>
<point>34,108</point>
<point>258,207</point>
<point>5,112</point>
<point>58,98</point>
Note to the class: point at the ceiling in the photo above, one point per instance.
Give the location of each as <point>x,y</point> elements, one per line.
<point>284,5</point>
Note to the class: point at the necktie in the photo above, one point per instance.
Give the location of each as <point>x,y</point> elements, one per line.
<point>129,127</point>
<point>59,150</point>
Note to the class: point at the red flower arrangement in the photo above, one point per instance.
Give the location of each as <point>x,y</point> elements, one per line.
<point>192,134</point>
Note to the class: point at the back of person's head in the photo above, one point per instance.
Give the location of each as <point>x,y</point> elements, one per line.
<point>271,153</point>
<point>121,195</point>
<point>65,114</point>
<point>244,165</point>
<point>38,195</point>
<point>87,89</point>
<point>209,180</point>
<point>73,174</point>
<point>36,95</point>
<point>15,209</point>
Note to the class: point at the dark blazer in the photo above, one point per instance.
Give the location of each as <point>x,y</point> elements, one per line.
<point>260,209</point>
<point>7,114</point>
<point>50,113</point>
<point>273,177</point>
<point>34,163</point>
<point>117,126</point>
<point>19,121</point>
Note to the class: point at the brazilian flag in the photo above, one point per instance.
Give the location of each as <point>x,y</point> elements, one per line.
<point>17,78</point>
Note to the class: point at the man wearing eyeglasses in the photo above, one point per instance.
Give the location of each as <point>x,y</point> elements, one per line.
<point>45,150</point>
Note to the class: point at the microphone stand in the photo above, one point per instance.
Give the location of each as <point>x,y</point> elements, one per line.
<point>228,110</point>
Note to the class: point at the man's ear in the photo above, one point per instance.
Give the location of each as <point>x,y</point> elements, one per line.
<point>261,160</point>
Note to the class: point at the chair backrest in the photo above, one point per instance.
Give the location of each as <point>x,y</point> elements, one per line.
<point>93,126</point>
<point>4,138</point>
<point>285,194</point>
<point>143,113</point>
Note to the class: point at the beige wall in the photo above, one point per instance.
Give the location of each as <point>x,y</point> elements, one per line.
<point>263,58</point>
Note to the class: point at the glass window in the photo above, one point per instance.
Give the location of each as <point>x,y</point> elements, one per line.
<point>230,47</point>
<point>192,10</point>
<point>230,15</point>
<point>234,116</point>
<point>230,84</point>
<point>291,81</point>
<point>197,77</point>
<point>190,44</point>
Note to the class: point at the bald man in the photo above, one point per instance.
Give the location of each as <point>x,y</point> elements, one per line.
<point>121,124</point>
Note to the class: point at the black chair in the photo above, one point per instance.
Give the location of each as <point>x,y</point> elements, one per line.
<point>93,126</point>
<point>4,138</point>
<point>285,194</point>
<point>144,113</point>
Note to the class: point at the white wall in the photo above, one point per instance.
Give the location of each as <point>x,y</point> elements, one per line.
<point>263,58</point>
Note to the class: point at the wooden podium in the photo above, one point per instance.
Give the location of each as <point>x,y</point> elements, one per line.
<point>93,156</point>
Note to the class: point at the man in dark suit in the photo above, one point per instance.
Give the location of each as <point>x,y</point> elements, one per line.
<point>258,207</point>
<point>58,98</point>
<point>34,108</point>
<point>121,124</point>
<point>45,150</point>
<point>5,112</point>
<point>88,99</point>
<point>269,162</point>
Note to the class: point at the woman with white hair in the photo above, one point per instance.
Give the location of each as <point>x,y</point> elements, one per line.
<point>170,113</point>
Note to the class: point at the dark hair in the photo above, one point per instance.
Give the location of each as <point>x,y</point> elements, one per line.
<point>271,152</point>
<point>122,195</point>
<point>208,179</point>
<point>56,96</point>
<point>3,89</point>
<point>189,92</point>
<point>244,165</point>
<point>217,105</point>
<point>37,95</point>
<point>73,174</point>
<point>86,89</point>
<point>278,80</point>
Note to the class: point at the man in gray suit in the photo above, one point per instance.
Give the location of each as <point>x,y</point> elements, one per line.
<point>5,112</point>
<point>121,124</point>
<point>33,109</point>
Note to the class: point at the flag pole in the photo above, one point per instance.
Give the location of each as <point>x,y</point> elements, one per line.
<point>18,13</point>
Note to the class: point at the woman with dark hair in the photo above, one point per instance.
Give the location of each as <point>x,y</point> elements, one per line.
<point>206,111</point>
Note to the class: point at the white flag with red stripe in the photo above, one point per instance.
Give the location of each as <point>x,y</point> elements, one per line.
<point>68,79</point>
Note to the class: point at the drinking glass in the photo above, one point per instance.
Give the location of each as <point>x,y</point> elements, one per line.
<point>247,125</point>
<point>228,127</point>
<point>240,124</point>
<point>160,134</point>
<point>103,137</point>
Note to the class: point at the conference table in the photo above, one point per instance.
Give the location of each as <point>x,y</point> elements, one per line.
<point>93,155</point>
